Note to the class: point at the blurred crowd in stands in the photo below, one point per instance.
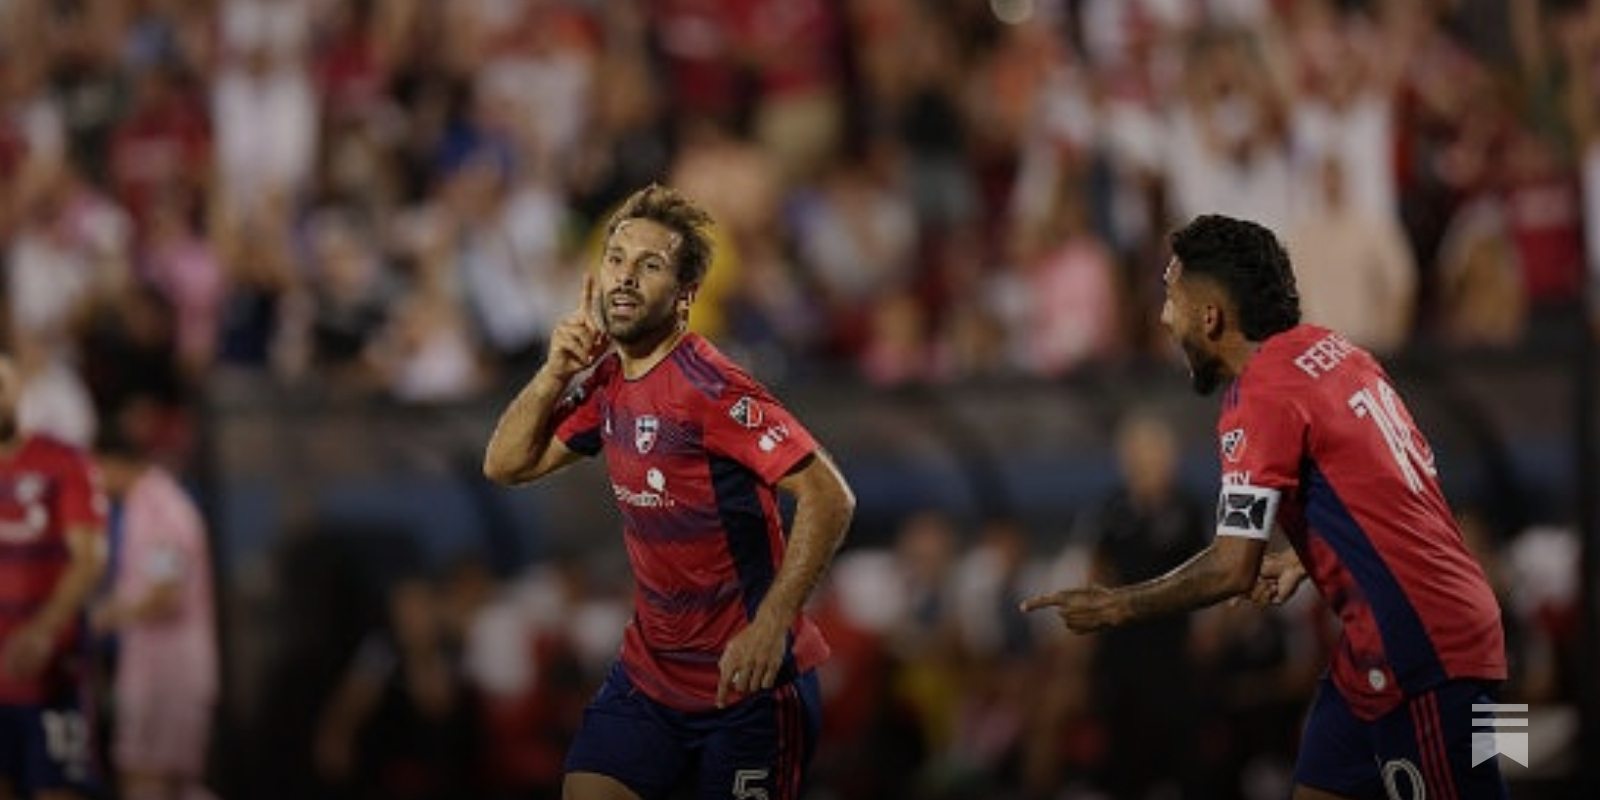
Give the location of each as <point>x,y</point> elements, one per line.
<point>396,196</point>
<point>394,199</point>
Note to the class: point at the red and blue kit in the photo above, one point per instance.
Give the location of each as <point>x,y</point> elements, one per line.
<point>694,449</point>
<point>47,488</point>
<point>1313,436</point>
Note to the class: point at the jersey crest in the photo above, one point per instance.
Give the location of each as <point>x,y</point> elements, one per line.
<point>645,430</point>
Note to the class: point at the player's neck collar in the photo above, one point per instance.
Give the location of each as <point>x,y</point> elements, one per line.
<point>636,367</point>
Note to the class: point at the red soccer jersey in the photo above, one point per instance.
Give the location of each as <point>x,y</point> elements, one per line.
<point>46,489</point>
<point>694,449</point>
<point>1314,429</point>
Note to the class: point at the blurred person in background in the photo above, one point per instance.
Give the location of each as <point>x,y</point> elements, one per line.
<point>1580,50</point>
<point>523,653</point>
<point>1353,265</point>
<point>264,113</point>
<point>426,350</point>
<point>131,361</point>
<point>1478,294</point>
<point>159,608</point>
<point>52,555</point>
<point>1314,441</point>
<point>869,740</point>
<point>715,686</point>
<point>899,351</point>
<point>352,289</point>
<point>1538,178</point>
<point>69,257</point>
<point>54,399</point>
<point>715,164</point>
<point>503,258</point>
<point>789,54</point>
<point>924,638</point>
<point>263,281</point>
<point>159,152</point>
<point>175,258</point>
<point>996,696</point>
<point>403,722</point>
<point>68,262</point>
<point>1340,75</point>
<point>1146,527</point>
<point>1227,146</point>
<point>855,238</point>
<point>1065,299</point>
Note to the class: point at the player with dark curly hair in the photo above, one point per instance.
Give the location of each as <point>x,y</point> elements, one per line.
<point>1316,443</point>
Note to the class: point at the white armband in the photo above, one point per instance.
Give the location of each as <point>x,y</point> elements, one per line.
<point>1247,511</point>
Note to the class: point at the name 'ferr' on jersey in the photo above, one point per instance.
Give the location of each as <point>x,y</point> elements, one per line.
<point>1324,355</point>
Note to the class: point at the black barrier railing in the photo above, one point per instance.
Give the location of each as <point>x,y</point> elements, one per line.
<point>1586,482</point>
<point>281,460</point>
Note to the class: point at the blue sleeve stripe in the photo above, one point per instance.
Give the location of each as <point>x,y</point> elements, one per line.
<point>701,373</point>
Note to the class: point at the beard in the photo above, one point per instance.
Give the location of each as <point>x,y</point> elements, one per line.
<point>646,325</point>
<point>1205,369</point>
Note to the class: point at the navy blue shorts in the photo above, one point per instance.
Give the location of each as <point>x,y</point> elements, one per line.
<point>757,748</point>
<point>1421,749</point>
<point>46,747</point>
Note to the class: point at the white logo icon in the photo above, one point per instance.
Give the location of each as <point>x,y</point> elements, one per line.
<point>655,479</point>
<point>1377,680</point>
<point>1512,744</point>
<point>774,436</point>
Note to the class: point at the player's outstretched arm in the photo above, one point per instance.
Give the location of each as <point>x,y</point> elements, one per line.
<point>523,446</point>
<point>824,505</point>
<point>1226,568</point>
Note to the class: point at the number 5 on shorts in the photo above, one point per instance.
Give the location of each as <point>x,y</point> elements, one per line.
<point>744,784</point>
<point>66,740</point>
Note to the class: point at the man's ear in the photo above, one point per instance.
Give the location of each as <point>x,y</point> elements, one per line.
<point>686,301</point>
<point>1214,320</point>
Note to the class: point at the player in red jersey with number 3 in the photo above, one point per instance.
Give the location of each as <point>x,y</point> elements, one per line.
<point>52,554</point>
<point>715,687</point>
<point>1315,442</point>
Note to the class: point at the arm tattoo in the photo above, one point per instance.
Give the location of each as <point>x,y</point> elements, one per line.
<point>1195,583</point>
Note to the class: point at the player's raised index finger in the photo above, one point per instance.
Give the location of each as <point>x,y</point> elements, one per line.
<point>1042,601</point>
<point>586,302</point>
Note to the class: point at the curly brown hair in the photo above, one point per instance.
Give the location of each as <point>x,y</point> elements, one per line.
<point>670,209</point>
